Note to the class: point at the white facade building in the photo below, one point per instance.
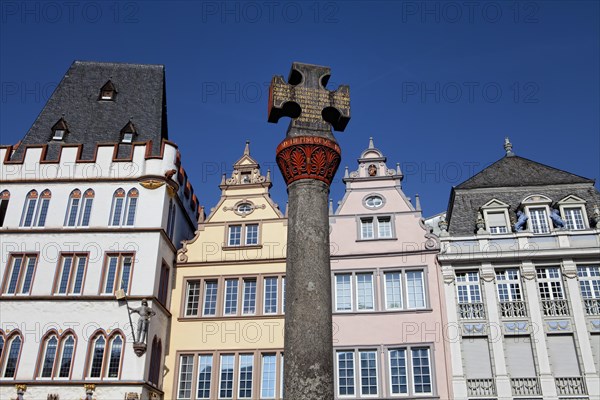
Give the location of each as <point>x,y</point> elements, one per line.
<point>520,258</point>
<point>93,200</point>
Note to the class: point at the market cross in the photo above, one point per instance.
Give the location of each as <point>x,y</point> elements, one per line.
<point>305,99</point>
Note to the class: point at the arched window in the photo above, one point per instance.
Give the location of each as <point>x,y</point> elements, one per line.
<point>73,208</point>
<point>86,210</point>
<point>97,359</point>
<point>66,356</point>
<point>44,203</point>
<point>49,356</point>
<point>11,358</point>
<point>29,208</point>
<point>114,362</point>
<point>117,207</point>
<point>132,198</point>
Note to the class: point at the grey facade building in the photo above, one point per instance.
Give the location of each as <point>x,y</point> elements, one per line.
<point>520,259</point>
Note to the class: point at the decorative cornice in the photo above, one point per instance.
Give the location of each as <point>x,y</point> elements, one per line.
<point>308,157</point>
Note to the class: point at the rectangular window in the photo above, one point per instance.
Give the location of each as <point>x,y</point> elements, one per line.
<point>117,273</point>
<point>366,228</point>
<point>539,220</point>
<point>249,306</point>
<point>563,356</point>
<point>19,275</point>
<point>368,373</point>
<point>231,296</point>
<point>3,208</point>
<point>251,234</point>
<point>235,235</point>
<point>186,366</point>
<point>393,290</point>
<point>497,223</point>
<point>204,376</point>
<point>283,295</point>
<point>343,292</point>
<point>467,287</point>
<point>71,270</point>
<point>193,298</point>
<point>384,225</point>
<point>398,371</point>
<point>550,283</point>
<point>508,283</point>
<point>226,376</point>
<point>574,218</point>
<point>519,357</point>
<point>245,376</point>
<point>270,305</point>
<point>415,289</point>
<point>364,291</point>
<point>210,298</point>
<point>421,370</point>
<point>268,379</point>
<point>476,357</point>
<point>345,372</point>
<point>589,281</point>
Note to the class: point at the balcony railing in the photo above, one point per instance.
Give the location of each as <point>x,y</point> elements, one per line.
<point>555,308</point>
<point>525,386</point>
<point>570,386</point>
<point>592,306</point>
<point>481,387</point>
<point>513,309</point>
<point>471,311</point>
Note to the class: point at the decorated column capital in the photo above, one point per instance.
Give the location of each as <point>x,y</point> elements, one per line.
<point>308,157</point>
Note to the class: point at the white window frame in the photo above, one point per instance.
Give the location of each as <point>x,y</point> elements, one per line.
<point>468,283</point>
<point>587,274</point>
<point>375,221</point>
<point>573,202</point>
<point>496,206</point>
<point>357,294</point>
<point>545,280</point>
<point>509,281</point>
<point>243,234</point>
<point>360,375</point>
<point>265,295</point>
<point>533,203</point>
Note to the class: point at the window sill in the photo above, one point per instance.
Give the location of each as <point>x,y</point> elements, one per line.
<point>380,312</point>
<point>230,317</point>
<point>245,247</point>
<point>376,239</point>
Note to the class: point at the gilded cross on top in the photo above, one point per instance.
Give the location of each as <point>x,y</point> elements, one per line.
<point>314,110</point>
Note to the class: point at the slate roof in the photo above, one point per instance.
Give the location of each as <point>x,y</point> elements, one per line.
<point>510,180</point>
<point>518,171</point>
<point>141,98</point>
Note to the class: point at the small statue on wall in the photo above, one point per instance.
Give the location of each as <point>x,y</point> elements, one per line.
<point>145,313</point>
<point>521,219</point>
<point>556,219</point>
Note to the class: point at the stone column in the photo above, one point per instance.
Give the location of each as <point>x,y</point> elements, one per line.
<point>308,159</point>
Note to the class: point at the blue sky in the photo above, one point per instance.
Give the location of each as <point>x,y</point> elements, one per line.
<point>437,84</point>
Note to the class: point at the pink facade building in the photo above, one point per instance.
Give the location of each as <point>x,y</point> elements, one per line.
<point>388,299</point>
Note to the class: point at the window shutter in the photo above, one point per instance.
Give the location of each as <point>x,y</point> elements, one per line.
<point>563,358</point>
<point>519,357</point>
<point>476,357</point>
<point>496,219</point>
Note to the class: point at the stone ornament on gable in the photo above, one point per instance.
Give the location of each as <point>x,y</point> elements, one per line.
<point>521,220</point>
<point>556,219</point>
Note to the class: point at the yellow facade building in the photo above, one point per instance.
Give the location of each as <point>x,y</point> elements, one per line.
<point>227,303</point>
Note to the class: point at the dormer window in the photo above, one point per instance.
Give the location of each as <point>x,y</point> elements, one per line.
<point>59,130</point>
<point>495,213</point>
<point>108,92</point>
<point>538,210</point>
<point>128,133</point>
<point>572,210</point>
